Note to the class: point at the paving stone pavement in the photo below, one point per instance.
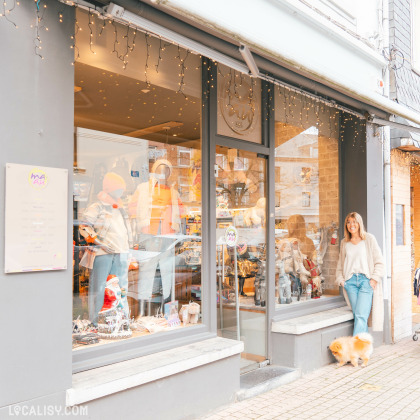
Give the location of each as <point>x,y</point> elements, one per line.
<point>388,388</point>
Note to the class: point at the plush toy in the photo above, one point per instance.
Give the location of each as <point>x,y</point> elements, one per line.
<point>255,216</point>
<point>189,314</point>
<point>183,314</point>
<point>193,312</point>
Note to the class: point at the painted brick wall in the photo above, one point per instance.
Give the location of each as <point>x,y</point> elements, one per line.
<point>405,84</point>
<point>324,183</point>
<point>401,317</point>
<point>329,204</point>
<point>415,184</point>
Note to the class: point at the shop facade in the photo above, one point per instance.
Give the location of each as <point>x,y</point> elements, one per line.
<point>205,210</point>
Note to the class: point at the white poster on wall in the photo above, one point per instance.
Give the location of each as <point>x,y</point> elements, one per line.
<point>35,218</point>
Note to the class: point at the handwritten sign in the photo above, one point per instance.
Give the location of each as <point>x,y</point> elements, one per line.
<point>36,218</point>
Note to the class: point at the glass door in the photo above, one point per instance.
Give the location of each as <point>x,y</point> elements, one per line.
<point>241,250</point>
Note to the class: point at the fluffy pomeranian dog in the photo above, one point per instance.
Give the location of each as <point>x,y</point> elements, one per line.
<point>350,349</point>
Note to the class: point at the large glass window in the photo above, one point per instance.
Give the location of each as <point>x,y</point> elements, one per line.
<point>137,184</point>
<point>307,198</point>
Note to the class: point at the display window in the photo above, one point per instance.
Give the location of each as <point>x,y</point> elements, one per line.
<point>307,198</point>
<point>137,184</point>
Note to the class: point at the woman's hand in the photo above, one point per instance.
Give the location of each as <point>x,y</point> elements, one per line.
<point>372,284</point>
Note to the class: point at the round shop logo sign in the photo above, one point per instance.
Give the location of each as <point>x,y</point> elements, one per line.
<point>238,105</point>
<point>37,179</point>
<point>231,236</point>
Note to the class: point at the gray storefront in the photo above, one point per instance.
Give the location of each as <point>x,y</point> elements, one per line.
<point>205,209</point>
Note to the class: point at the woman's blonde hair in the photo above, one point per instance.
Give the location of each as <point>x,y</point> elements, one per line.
<point>358,218</point>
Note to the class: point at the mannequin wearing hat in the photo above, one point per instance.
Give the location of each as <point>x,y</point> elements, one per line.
<point>106,227</point>
<point>158,213</point>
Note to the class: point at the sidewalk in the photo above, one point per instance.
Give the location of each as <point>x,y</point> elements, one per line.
<point>388,388</point>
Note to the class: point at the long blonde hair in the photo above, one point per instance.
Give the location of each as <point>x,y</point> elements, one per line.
<point>359,220</point>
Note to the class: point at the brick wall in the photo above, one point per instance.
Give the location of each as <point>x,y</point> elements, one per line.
<point>329,204</point>
<point>401,317</point>
<point>415,184</point>
<point>324,188</point>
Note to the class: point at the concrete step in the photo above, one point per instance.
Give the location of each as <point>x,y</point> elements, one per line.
<point>264,379</point>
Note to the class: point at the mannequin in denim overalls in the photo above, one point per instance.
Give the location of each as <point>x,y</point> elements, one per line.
<point>106,227</point>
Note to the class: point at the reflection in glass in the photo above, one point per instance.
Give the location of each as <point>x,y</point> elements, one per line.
<point>241,249</point>
<point>306,197</point>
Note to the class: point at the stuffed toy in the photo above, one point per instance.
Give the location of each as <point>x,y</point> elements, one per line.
<point>189,314</point>
<point>255,216</point>
<point>193,312</point>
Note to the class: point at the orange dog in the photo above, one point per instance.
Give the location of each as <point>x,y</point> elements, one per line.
<point>350,349</point>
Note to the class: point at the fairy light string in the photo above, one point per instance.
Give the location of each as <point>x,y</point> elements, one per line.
<point>6,12</point>
<point>38,27</point>
<point>146,65</point>
<point>296,102</point>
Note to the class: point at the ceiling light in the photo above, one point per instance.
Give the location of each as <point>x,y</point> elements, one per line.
<point>145,90</point>
<point>77,89</point>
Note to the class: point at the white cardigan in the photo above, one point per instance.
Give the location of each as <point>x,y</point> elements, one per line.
<point>377,270</point>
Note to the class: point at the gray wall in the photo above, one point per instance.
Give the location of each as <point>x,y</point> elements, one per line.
<point>405,84</point>
<point>362,188</point>
<point>353,187</point>
<point>37,129</point>
<point>375,184</point>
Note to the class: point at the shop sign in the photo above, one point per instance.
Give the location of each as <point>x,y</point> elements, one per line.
<point>231,236</point>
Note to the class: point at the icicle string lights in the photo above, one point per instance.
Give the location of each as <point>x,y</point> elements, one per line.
<point>6,11</point>
<point>182,70</point>
<point>38,27</point>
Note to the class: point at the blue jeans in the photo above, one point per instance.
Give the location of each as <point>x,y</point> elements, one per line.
<point>104,265</point>
<point>360,294</point>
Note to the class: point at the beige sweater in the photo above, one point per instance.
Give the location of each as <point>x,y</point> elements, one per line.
<point>377,270</point>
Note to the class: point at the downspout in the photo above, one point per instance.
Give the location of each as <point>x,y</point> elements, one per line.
<point>386,148</point>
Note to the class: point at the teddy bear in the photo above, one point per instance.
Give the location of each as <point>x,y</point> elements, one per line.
<point>189,314</point>
<point>255,216</point>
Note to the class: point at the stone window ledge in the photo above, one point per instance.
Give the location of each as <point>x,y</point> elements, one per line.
<point>106,380</point>
<point>312,322</point>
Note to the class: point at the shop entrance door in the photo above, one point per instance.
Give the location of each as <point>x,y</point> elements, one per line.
<point>241,251</point>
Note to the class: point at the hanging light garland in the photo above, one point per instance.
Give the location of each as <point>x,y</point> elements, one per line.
<point>6,12</point>
<point>293,107</point>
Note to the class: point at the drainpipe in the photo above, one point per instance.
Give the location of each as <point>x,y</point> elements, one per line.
<point>386,145</point>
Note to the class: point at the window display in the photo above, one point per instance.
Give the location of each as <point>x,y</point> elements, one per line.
<point>137,186</point>
<point>307,198</point>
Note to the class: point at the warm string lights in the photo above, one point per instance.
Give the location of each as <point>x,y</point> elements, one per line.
<point>6,12</point>
<point>304,112</point>
<point>233,89</point>
<point>91,20</point>
<point>128,48</point>
<point>162,47</point>
<point>73,46</point>
<point>182,70</point>
<point>294,109</point>
<point>146,66</point>
<point>38,27</point>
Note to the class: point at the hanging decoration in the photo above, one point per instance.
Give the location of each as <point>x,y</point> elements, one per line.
<point>6,12</point>
<point>38,27</point>
<point>297,103</point>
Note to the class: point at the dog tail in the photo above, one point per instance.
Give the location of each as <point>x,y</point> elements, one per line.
<point>366,337</point>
